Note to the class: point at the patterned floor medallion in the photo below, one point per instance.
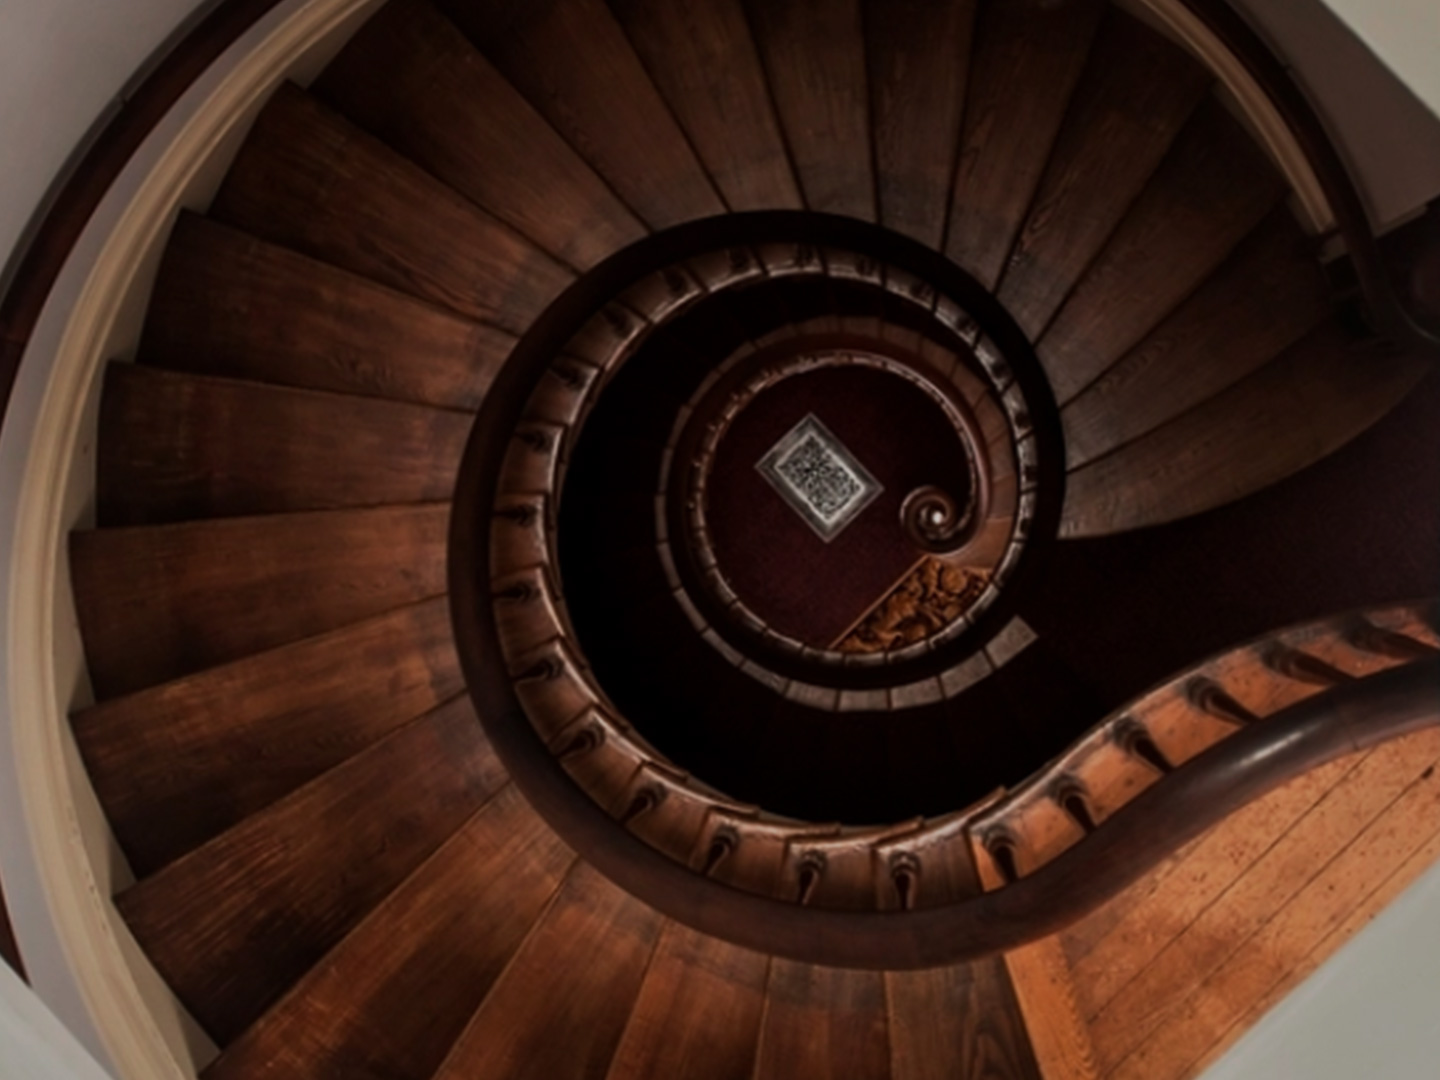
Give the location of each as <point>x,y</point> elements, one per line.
<point>818,477</point>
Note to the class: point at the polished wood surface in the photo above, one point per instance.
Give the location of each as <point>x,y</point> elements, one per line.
<point>299,875</point>
<point>1208,192</point>
<point>446,108</point>
<point>1264,298</point>
<point>822,1022</point>
<point>960,1021</point>
<point>1023,68</point>
<point>532,1024</point>
<point>202,593</point>
<point>573,63</point>
<point>1136,93</point>
<point>698,1014</point>
<point>814,56</point>
<point>310,180</point>
<point>176,447</point>
<point>180,763</point>
<point>1317,392</point>
<point>228,304</point>
<point>918,55</point>
<point>393,996</point>
<point>704,62</point>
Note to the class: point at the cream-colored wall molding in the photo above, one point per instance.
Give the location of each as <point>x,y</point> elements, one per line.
<point>1184,27</point>
<point>58,874</point>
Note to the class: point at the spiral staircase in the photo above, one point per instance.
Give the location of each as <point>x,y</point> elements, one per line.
<point>429,731</point>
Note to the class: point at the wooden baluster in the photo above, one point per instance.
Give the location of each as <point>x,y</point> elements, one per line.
<point>1303,667</point>
<point>1211,698</point>
<point>1134,738</point>
<point>1367,637</point>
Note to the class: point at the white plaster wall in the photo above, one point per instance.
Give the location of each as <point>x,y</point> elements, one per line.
<point>1405,34</point>
<point>64,66</point>
<point>1371,1011</point>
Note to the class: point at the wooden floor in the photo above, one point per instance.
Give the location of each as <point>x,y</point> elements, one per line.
<point>1171,973</point>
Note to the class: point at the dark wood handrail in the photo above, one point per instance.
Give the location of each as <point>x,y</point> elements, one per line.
<point>1404,325</point>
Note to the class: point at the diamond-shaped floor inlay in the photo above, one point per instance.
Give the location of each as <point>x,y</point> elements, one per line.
<point>820,479</point>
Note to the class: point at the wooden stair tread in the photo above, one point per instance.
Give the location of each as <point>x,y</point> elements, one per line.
<point>704,61</point>
<point>174,447</point>
<point>1210,190</point>
<point>1264,298</point>
<point>698,1014</point>
<point>296,877</point>
<point>918,62</point>
<point>444,106</point>
<point>533,1024</point>
<point>1023,68</point>
<point>574,64</point>
<point>203,593</point>
<point>310,180</point>
<point>814,57</point>
<point>1136,93</point>
<point>180,763</point>
<point>1319,393</point>
<point>823,1022</point>
<point>393,996</point>
<point>229,304</point>
<point>957,1021</point>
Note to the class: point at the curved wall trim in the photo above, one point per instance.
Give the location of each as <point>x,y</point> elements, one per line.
<point>79,958</point>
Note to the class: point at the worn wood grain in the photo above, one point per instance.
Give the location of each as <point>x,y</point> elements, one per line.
<point>1045,993</point>
<point>180,763</point>
<point>961,1021</point>
<point>1308,402</point>
<point>176,447</point>
<point>1149,1000</point>
<point>158,602</point>
<point>698,1013</point>
<point>1210,190</point>
<point>1263,299</point>
<point>308,179</point>
<point>1266,957</point>
<point>703,59</point>
<point>1024,66</point>
<point>823,1022</point>
<point>1136,93</point>
<point>814,56</point>
<point>1159,908</point>
<point>919,54</point>
<point>560,1008</point>
<point>300,874</point>
<point>573,63</point>
<point>228,304</point>
<point>393,996</point>
<point>444,106</point>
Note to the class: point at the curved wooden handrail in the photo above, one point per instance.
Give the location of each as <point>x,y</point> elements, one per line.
<point>1402,324</point>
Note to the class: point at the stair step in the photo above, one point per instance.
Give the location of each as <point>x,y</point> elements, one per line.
<point>1213,187</point>
<point>703,59</point>
<point>532,1023</point>
<point>1264,298</point>
<point>918,58</point>
<point>180,763</point>
<point>698,1014</point>
<point>445,107</point>
<point>296,877</point>
<point>174,447</point>
<point>1023,69</point>
<point>573,63</point>
<point>228,304</point>
<point>203,593</point>
<point>1318,394</point>
<point>310,180</point>
<point>393,996</point>
<point>982,1032</point>
<point>1136,93</point>
<point>821,1023</point>
<point>814,57</point>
